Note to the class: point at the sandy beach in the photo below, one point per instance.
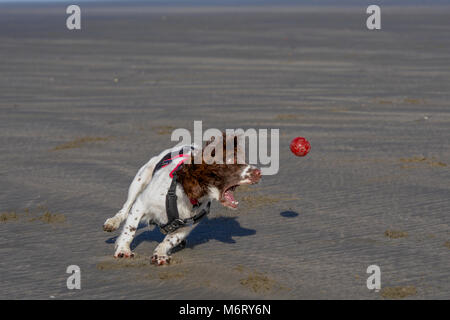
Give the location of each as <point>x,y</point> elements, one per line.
<point>81,111</point>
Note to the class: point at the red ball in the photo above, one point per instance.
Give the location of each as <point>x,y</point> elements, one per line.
<point>300,146</point>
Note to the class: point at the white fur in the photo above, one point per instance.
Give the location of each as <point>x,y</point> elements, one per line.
<point>245,175</point>
<point>147,200</point>
<point>245,171</point>
<point>214,193</point>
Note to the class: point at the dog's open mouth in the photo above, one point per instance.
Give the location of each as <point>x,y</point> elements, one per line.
<point>228,197</point>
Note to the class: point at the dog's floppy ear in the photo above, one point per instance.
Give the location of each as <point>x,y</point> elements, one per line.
<point>192,188</point>
<point>213,151</point>
<point>211,140</point>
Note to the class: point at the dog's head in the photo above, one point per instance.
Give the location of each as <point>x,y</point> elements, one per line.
<point>218,181</point>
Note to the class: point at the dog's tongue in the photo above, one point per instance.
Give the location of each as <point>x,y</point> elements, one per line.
<point>229,196</point>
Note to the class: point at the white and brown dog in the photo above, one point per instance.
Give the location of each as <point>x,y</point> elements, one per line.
<point>195,186</point>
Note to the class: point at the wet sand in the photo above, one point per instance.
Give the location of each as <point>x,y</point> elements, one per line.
<point>81,111</point>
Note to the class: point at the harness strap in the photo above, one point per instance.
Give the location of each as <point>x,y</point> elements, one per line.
<point>173,217</point>
<point>171,201</point>
<point>199,215</point>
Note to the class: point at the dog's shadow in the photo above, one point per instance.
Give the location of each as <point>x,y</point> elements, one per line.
<point>222,229</point>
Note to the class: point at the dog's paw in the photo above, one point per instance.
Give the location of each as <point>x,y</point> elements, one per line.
<point>123,253</point>
<point>160,260</point>
<point>111,224</point>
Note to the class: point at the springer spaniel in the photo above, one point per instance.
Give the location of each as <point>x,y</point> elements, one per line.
<point>194,185</point>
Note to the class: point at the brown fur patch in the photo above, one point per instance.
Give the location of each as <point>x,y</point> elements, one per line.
<point>197,178</point>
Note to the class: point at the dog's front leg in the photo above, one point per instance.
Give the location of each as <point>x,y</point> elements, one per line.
<point>129,230</point>
<point>161,255</point>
